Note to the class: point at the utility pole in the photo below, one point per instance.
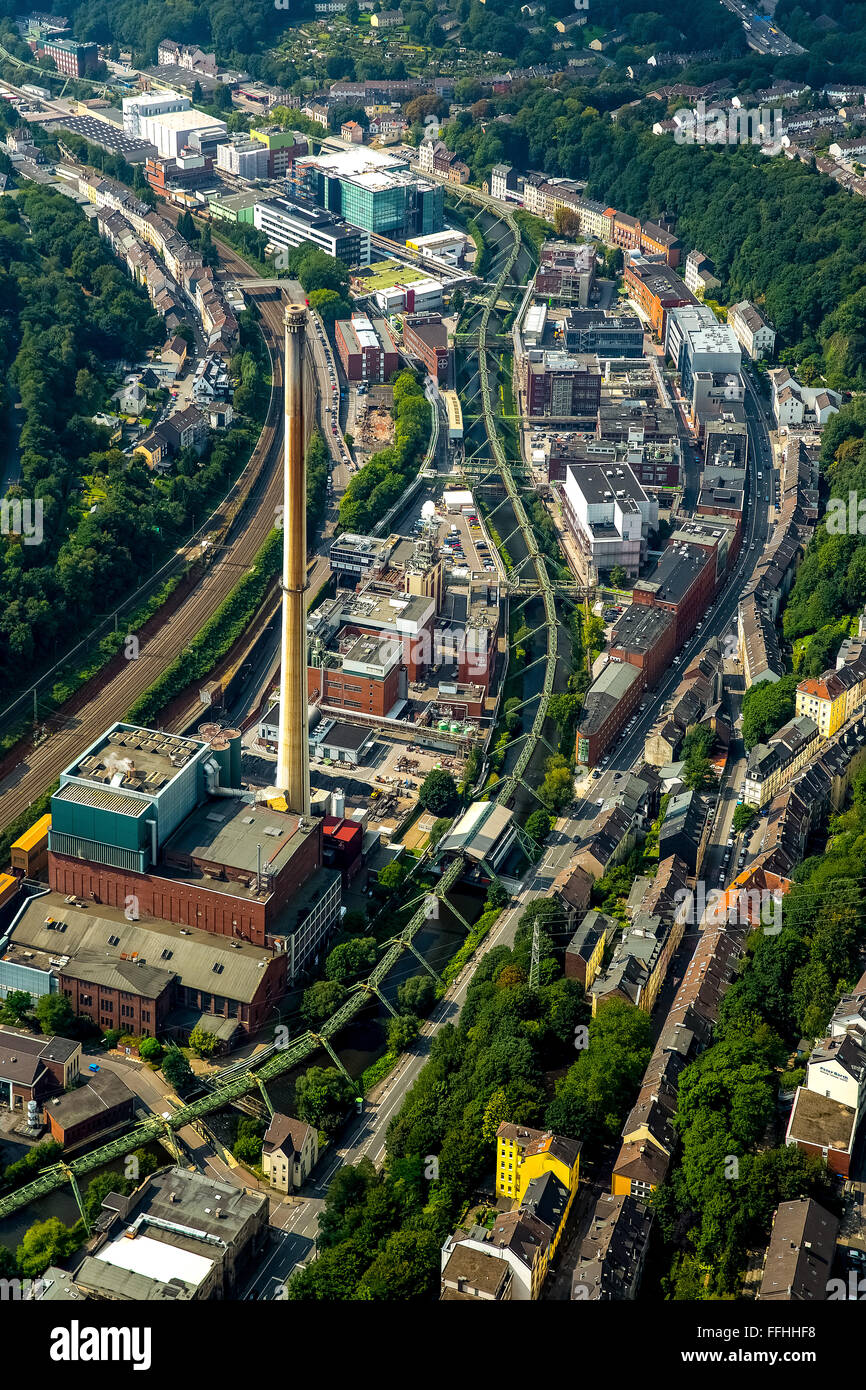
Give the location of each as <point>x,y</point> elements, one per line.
<point>535,962</point>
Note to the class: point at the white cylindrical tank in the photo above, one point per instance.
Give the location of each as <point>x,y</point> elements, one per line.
<point>338,803</point>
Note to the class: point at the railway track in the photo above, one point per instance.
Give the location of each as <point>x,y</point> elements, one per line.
<point>253,512</point>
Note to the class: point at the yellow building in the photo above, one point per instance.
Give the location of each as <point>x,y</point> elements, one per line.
<point>834,697</point>
<point>824,701</point>
<point>523,1154</point>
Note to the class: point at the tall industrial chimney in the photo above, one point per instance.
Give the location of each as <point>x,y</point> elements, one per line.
<point>293,758</point>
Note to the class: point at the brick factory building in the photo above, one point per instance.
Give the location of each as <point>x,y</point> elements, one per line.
<point>683,582</point>
<point>425,337</point>
<point>103,1103</point>
<point>366,348</point>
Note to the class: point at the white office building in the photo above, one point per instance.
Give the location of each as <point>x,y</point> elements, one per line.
<point>245,158</point>
<point>145,104</point>
<point>172,130</point>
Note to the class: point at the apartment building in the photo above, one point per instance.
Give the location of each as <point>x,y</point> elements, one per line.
<point>834,697</point>
<point>771,765</point>
<point>752,330</point>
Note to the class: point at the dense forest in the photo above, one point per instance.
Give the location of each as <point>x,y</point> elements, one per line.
<point>70,317</point>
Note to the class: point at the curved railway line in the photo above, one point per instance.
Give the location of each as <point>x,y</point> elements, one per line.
<point>239,1078</point>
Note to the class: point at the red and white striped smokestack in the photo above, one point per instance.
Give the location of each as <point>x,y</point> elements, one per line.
<point>293,757</point>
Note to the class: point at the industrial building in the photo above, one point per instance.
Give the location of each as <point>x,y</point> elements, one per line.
<point>34,1068</point>
<point>448,246</point>
<point>164,820</point>
<point>243,157</point>
<point>425,337</point>
<point>171,131</point>
<point>101,1104</point>
<point>697,342</point>
<point>604,334</point>
<point>180,1237</point>
<point>283,147</point>
<point>150,104</point>
<point>609,515</point>
<point>562,386</point>
<point>366,348</point>
<point>414,297</point>
<point>289,222</point>
<point>70,57</point>
<point>656,289</point>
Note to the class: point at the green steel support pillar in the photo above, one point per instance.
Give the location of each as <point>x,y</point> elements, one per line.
<point>77,1195</point>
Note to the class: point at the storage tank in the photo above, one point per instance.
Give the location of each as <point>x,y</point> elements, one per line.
<point>209,731</point>
<point>338,803</point>
<point>219,747</point>
<point>235,742</point>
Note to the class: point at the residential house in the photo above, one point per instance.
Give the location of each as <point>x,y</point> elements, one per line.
<point>290,1151</point>
<point>799,1257</point>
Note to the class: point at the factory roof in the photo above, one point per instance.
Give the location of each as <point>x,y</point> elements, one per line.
<point>605,693</point>
<point>676,572</point>
<point>99,943</point>
<point>100,1091</point>
<point>230,831</point>
<point>640,628</point>
<point>134,759</point>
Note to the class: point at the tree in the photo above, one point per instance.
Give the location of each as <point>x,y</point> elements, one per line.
<point>354,920</point>
<point>177,1070</point>
<point>206,248</point>
<point>321,1000</point>
<point>496,897</point>
<point>496,1112</point>
<point>351,959</point>
<point>330,305</point>
<point>54,1013</point>
<point>202,1041</point>
<point>618,577</point>
<point>416,995</point>
<point>248,1141</point>
<point>402,1032</point>
<point>557,788</point>
<point>17,1005</point>
<point>393,876</point>
<point>538,826</point>
<point>197,94</point>
<point>766,707</point>
<point>567,222</point>
<point>151,1050</point>
<point>438,792</point>
<point>322,1097</point>
<point>457,301</point>
<point>743,817</point>
<point>439,828</point>
<point>46,1243</point>
<point>405,1271</point>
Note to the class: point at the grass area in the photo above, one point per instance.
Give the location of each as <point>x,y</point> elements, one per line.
<point>383,274</point>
